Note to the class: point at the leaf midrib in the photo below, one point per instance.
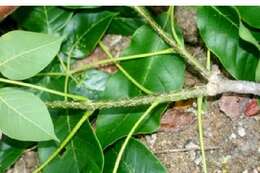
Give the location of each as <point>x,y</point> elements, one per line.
<point>24,117</point>
<point>225,17</point>
<point>27,52</point>
<point>87,31</point>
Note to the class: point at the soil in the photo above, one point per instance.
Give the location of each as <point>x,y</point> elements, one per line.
<point>232,139</point>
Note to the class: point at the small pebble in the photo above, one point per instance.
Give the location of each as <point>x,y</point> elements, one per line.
<point>245,171</point>
<point>197,160</point>
<point>192,155</point>
<point>233,136</point>
<point>241,131</point>
<point>191,145</point>
<point>151,139</point>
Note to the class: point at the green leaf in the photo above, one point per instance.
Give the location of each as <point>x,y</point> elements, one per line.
<point>91,84</point>
<point>82,154</point>
<point>257,73</point>
<point>10,151</point>
<point>250,15</point>
<point>23,116</point>
<point>23,54</point>
<point>219,28</point>
<point>46,19</point>
<point>124,26</point>
<point>137,158</point>
<point>52,82</point>
<point>162,73</point>
<point>246,35</point>
<point>84,31</point>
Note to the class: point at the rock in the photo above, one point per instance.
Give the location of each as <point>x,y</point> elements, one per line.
<point>176,119</point>
<point>241,131</point>
<point>190,145</point>
<point>252,108</point>
<point>198,160</point>
<point>232,106</point>
<point>151,139</point>
<point>232,136</point>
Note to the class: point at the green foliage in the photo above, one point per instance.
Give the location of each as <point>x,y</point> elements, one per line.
<point>219,28</point>
<point>124,25</point>
<point>10,151</point>
<point>91,84</point>
<point>82,154</point>
<point>231,33</point>
<point>42,19</point>
<point>22,49</point>
<point>24,116</point>
<point>250,15</point>
<point>162,73</point>
<point>84,31</point>
<point>146,162</point>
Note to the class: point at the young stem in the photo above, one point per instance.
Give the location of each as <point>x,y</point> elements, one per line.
<point>171,10</point>
<point>165,36</point>
<point>123,58</point>
<point>201,139</point>
<point>127,75</point>
<point>136,101</point>
<point>76,97</point>
<point>130,134</point>
<point>65,142</point>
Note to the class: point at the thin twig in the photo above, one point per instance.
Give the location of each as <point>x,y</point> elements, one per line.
<point>123,58</point>
<point>184,150</point>
<point>216,85</point>
<point>179,49</point>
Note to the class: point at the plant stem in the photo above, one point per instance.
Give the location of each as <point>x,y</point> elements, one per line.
<point>130,134</point>
<point>65,142</point>
<point>165,36</point>
<point>127,75</point>
<point>123,58</point>
<point>76,97</point>
<point>200,128</point>
<point>214,87</point>
<point>51,74</point>
<point>171,10</point>
<point>136,101</point>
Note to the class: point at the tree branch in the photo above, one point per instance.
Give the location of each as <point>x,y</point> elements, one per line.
<point>217,85</point>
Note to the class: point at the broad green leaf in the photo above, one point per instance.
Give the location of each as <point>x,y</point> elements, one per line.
<point>219,28</point>
<point>124,26</point>
<point>257,73</point>
<point>84,31</point>
<point>10,151</point>
<point>23,116</point>
<point>52,82</point>
<point>23,54</point>
<point>162,73</point>
<point>90,84</point>
<point>137,158</point>
<point>255,33</point>
<point>46,19</point>
<point>82,154</point>
<point>245,34</point>
<point>250,15</point>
